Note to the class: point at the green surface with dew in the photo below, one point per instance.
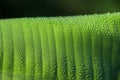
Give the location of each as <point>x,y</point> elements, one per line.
<point>60,48</point>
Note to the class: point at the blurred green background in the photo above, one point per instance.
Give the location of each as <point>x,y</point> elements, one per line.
<point>40,8</point>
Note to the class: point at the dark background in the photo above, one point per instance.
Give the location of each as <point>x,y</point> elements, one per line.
<point>41,8</point>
